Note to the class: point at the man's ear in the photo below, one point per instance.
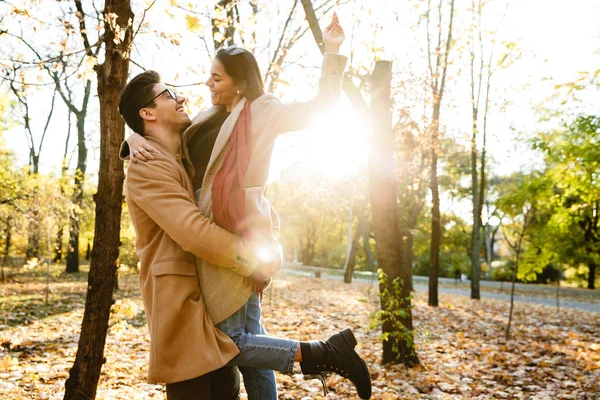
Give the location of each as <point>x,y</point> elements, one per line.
<point>147,114</point>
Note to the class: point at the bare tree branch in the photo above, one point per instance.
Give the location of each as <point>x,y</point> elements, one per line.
<point>279,45</point>
<point>141,20</point>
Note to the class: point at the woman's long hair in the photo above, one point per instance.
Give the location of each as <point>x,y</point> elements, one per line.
<point>241,65</point>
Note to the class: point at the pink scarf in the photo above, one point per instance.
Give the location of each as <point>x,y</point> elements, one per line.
<point>228,192</point>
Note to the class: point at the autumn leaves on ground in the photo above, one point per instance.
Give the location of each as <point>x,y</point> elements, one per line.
<point>460,344</point>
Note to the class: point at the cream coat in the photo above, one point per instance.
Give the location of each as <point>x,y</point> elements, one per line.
<point>224,290</point>
<point>170,233</point>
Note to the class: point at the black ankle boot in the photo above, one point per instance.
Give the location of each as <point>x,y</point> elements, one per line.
<point>337,354</point>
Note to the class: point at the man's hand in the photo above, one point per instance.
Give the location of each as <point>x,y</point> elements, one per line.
<point>333,35</point>
<point>271,264</point>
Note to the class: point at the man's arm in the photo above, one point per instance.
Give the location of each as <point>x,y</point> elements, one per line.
<point>155,187</point>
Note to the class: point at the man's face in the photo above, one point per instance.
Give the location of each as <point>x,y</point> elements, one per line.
<point>169,112</point>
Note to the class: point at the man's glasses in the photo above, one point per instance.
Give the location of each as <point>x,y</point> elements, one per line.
<point>233,50</point>
<point>170,92</point>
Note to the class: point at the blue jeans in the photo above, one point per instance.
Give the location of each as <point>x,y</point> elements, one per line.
<point>259,354</point>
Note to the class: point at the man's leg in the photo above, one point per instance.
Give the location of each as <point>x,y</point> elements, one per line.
<point>222,384</point>
<point>225,384</point>
<point>192,389</point>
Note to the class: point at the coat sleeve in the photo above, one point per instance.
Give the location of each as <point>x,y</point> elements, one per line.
<point>157,189</point>
<point>295,116</point>
<point>124,150</point>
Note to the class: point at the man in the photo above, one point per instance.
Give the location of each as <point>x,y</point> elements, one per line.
<point>185,347</point>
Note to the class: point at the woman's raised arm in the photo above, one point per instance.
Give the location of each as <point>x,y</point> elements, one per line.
<point>295,116</point>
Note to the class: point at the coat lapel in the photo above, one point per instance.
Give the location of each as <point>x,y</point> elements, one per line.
<point>224,135</point>
<point>216,157</point>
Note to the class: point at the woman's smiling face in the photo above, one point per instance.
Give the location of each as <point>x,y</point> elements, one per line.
<point>223,89</point>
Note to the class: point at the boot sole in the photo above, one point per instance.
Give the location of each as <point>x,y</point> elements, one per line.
<point>350,340</point>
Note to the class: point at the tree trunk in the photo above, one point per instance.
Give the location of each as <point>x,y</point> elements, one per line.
<point>74,227</point>
<point>229,26</point>
<point>6,247</point>
<point>112,76</point>
<point>512,295</point>
<point>438,78</point>
<point>409,257</point>
<point>382,190</point>
<point>384,206</point>
<point>517,249</point>
<point>476,234</point>
<point>592,275</point>
<point>349,244</point>
<point>351,262</point>
<point>558,295</point>
<point>367,245</point>
<point>33,242</point>
<point>436,224</point>
<point>58,244</point>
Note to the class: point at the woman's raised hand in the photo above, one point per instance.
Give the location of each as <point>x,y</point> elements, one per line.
<point>333,35</point>
<point>140,149</point>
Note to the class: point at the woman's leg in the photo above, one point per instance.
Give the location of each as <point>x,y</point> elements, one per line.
<point>336,354</point>
<point>258,351</point>
<point>261,382</point>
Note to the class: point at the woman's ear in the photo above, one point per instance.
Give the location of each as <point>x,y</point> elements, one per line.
<point>242,86</point>
<point>147,114</point>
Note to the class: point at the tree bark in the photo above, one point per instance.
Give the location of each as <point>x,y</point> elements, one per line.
<point>476,233</point>
<point>438,85</point>
<point>6,247</point>
<point>33,242</point>
<point>517,249</point>
<point>409,257</point>
<point>58,244</point>
<point>382,190</point>
<point>112,76</point>
<point>512,294</point>
<point>436,224</point>
<point>228,26</point>
<point>74,227</point>
<point>367,245</point>
<point>384,206</point>
<point>592,275</point>
<point>351,262</point>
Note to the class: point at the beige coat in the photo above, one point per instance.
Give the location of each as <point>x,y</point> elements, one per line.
<point>223,289</point>
<point>170,233</point>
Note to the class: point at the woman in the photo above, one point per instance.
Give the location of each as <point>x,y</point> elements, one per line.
<point>227,152</point>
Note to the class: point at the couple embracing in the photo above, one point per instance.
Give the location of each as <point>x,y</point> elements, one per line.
<point>206,234</point>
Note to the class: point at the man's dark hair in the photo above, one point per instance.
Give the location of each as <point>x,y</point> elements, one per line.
<point>243,68</point>
<point>134,96</point>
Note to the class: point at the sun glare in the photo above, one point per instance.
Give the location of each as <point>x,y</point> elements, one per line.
<point>334,147</point>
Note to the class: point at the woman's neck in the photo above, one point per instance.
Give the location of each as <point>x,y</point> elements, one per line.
<point>229,107</point>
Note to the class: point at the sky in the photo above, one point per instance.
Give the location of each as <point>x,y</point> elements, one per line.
<point>558,39</point>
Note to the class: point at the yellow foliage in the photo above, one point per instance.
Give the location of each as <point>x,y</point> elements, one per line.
<point>193,23</point>
<point>7,363</point>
